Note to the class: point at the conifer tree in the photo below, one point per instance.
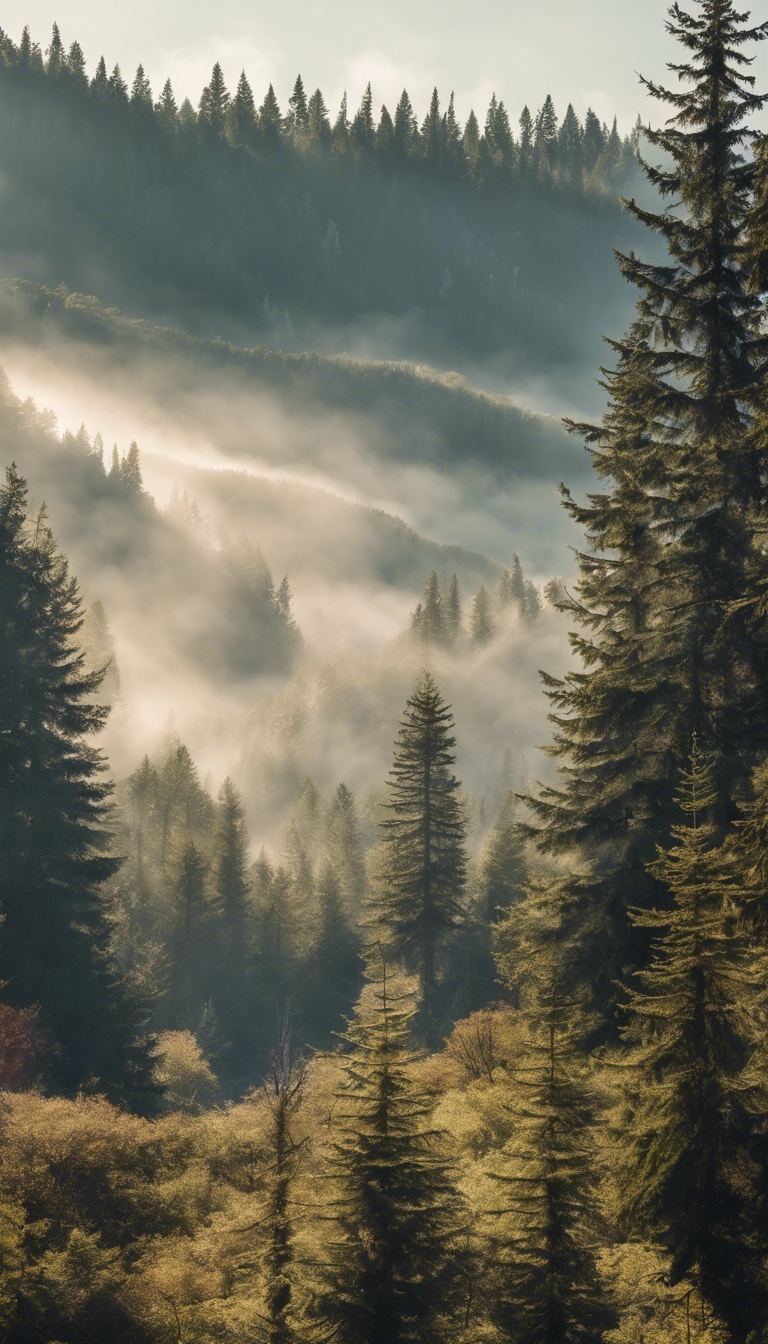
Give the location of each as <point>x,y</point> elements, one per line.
<point>55,950</point>
<point>392,1270</point>
<point>232,895</point>
<point>671,545</point>
<point>166,106</point>
<point>56,54</point>
<point>284,1089</point>
<point>214,102</point>
<point>593,140</point>
<point>683,1162</point>
<point>363,131</point>
<point>424,833</point>
<point>76,72</point>
<point>298,116</point>
<point>335,965</point>
<point>241,120</point>
<point>527,141</point>
<point>100,81</point>
<point>345,848</point>
<point>482,624</point>
<point>471,140</point>
<point>270,120</point>
<point>544,1216</point>
<point>141,91</point>
<point>385,135</point>
<point>118,89</point>
<point>545,140</point>
<point>432,133</point>
<point>451,604</point>
<point>318,121</point>
<point>405,128</point>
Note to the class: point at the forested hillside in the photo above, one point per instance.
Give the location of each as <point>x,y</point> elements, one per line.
<point>239,216</point>
<point>331,1010</point>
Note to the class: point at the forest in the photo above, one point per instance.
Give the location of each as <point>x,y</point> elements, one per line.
<point>383,885</point>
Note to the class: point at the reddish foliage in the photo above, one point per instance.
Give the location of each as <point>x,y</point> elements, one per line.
<point>22,1046</point>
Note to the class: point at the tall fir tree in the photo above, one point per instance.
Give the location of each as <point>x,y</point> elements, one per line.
<point>422,895</point>
<point>671,538</point>
<point>693,1097</point>
<point>54,847</point>
<point>390,1275</point>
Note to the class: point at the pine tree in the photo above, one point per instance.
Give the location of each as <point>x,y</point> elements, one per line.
<point>345,848</point>
<point>118,89</point>
<point>471,141</point>
<point>55,949</point>
<point>482,625</point>
<point>451,135</point>
<point>671,545</point>
<point>166,106</point>
<point>335,967</point>
<point>141,92</point>
<point>241,119</point>
<point>569,151</point>
<point>100,81</point>
<point>76,72</point>
<point>432,133</point>
<point>214,102</point>
<point>188,944</point>
<point>270,120</point>
<point>425,869</point>
<point>593,140</point>
<point>451,605</point>
<point>130,471</point>
<point>545,142</point>
<point>428,622</point>
<point>363,131</point>
<point>385,136</point>
<point>341,127</point>
<point>406,129</point>
<point>543,1223</point>
<point>232,896</point>
<point>392,1271</point>
<point>298,116</point>
<point>683,1161</point>
<point>57,59</point>
<point>284,1090</point>
<point>527,141</point>
<point>318,122</point>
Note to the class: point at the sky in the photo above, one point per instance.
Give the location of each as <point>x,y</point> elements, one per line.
<point>581,51</point>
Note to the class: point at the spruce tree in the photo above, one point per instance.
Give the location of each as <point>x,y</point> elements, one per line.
<point>671,545</point>
<point>451,605</point>
<point>683,1161</point>
<point>270,120</point>
<point>543,1220</point>
<point>232,888</point>
<point>422,893</point>
<point>334,972</point>
<point>318,121</point>
<point>482,625</point>
<point>391,1273</point>
<point>298,116</point>
<point>406,130</point>
<point>54,845</point>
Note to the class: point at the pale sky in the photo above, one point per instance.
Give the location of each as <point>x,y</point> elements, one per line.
<point>583,51</point>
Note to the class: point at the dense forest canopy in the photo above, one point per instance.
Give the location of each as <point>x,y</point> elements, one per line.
<point>328,1012</point>
<point>291,222</point>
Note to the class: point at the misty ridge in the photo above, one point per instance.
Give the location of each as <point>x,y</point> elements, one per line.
<point>383,713</point>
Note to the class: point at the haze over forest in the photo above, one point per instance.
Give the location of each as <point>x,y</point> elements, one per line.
<point>383,722</point>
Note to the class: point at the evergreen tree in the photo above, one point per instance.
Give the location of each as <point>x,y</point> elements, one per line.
<point>232,896</point>
<point>406,130</point>
<point>670,540</point>
<point>214,102</point>
<point>428,621</point>
<point>270,120</point>
<point>118,89</point>
<point>345,848</point>
<point>385,136</point>
<point>335,966</point>
<point>451,135</point>
<point>424,832</point>
<point>241,119</point>
<point>593,140</point>
<point>141,92</point>
<point>570,147</point>
<point>55,949</point>
<point>341,127</point>
<point>471,140</point>
<point>166,107</point>
<point>392,1276</point>
<point>683,1162</point>
<point>189,969</point>
<point>527,141</point>
<point>298,116</point>
<point>482,624</point>
<point>76,72</point>
<point>100,82</point>
<point>56,54</point>
<point>451,604</point>
<point>284,1090</point>
<point>432,133</point>
<point>318,122</point>
<point>545,142</point>
<point>544,1223</point>
<point>130,471</point>
<point>363,131</point>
